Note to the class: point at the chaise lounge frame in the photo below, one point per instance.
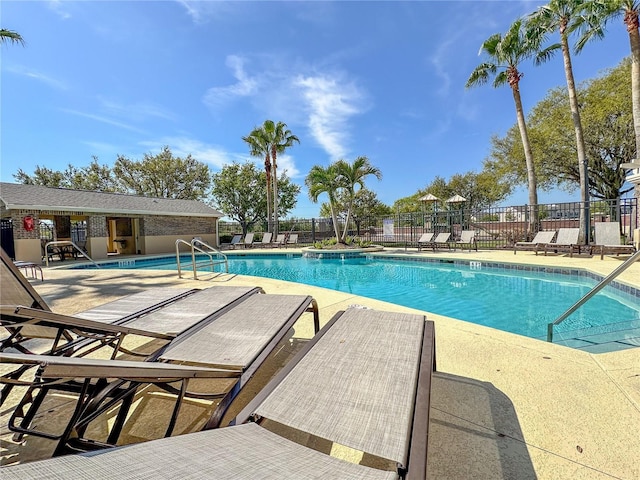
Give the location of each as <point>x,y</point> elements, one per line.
<point>250,449</point>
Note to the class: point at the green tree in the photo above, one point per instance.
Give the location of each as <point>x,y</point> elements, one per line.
<point>353,175</point>
<point>10,36</point>
<point>481,190</point>
<point>42,176</point>
<point>269,140</point>
<point>565,17</point>
<point>94,177</point>
<point>365,205</point>
<point>325,180</point>
<point>505,54</point>
<point>599,13</point>
<point>609,138</point>
<point>163,175</point>
<point>239,191</point>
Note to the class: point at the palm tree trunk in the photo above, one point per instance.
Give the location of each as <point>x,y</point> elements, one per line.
<point>633,24</point>
<point>634,41</point>
<point>275,194</point>
<point>343,239</point>
<point>528,155</point>
<point>267,169</point>
<point>582,157</point>
<point>334,219</point>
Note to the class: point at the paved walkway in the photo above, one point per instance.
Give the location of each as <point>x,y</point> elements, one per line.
<point>503,405</point>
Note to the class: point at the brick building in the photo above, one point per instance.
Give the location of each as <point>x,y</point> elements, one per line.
<point>104,223</point>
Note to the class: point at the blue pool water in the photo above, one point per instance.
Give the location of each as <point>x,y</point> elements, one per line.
<point>510,300</point>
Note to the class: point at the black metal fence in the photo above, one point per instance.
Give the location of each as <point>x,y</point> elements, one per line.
<point>497,227</point>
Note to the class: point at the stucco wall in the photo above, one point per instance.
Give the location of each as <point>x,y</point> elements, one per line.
<point>28,250</point>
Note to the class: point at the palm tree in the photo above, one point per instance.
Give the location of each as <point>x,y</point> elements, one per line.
<point>259,146</point>
<point>280,138</point>
<point>269,140</point>
<point>10,36</point>
<point>565,16</point>
<point>506,53</point>
<point>325,180</point>
<point>352,175</point>
<point>598,13</point>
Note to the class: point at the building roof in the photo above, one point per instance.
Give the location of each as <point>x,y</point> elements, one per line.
<point>15,196</point>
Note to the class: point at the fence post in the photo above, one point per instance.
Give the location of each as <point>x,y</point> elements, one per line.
<point>313,230</point>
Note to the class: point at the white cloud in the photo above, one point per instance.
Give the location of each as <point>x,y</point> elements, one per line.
<point>56,6</point>
<point>102,119</point>
<point>322,100</point>
<point>330,103</point>
<point>136,111</point>
<point>287,164</point>
<point>183,146</point>
<point>245,86</point>
<point>40,77</point>
<point>201,11</point>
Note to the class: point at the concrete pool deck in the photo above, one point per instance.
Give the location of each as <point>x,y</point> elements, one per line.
<point>503,405</point>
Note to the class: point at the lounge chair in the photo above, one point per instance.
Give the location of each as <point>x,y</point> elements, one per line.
<point>467,238</point>
<point>265,241</point>
<point>539,241</point>
<point>98,330</point>
<point>235,240</point>
<point>30,267</point>
<point>377,404</point>
<point>281,239</point>
<point>235,344</point>
<point>425,240</point>
<point>566,241</point>
<point>18,293</point>
<point>292,239</point>
<point>607,240</point>
<point>248,240</point>
<point>441,240</point>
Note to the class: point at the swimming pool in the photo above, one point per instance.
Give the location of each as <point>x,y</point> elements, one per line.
<point>510,299</point>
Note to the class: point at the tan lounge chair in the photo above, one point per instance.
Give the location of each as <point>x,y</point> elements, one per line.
<point>281,239</point>
<point>387,358</point>
<point>541,238</point>
<point>265,241</point>
<point>248,240</point>
<point>292,239</point>
<point>236,341</point>
<point>235,240</point>
<point>467,238</point>
<point>18,293</point>
<point>440,241</point>
<point>425,240</point>
<point>30,267</point>
<point>607,240</point>
<point>566,241</point>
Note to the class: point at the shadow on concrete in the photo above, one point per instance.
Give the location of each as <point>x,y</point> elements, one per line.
<point>474,432</point>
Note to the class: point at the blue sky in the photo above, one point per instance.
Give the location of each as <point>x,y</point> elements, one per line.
<point>349,78</point>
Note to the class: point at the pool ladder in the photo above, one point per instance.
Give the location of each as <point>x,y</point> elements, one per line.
<point>214,256</point>
<point>603,283</point>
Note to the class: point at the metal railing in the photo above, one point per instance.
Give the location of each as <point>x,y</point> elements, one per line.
<point>65,243</point>
<point>215,256</point>
<point>495,227</point>
<point>603,283</point>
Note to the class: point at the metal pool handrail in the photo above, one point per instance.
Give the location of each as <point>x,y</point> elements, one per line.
<point>66,242</point>
<point>603,283</point>
<point>212,251</point>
